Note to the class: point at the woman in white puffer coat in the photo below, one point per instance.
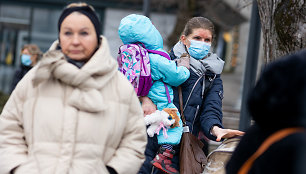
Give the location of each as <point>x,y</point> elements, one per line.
<point>74,112</point>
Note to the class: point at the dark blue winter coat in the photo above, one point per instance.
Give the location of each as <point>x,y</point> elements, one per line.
<point>202,106</point>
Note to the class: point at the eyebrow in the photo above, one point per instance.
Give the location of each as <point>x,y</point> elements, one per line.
<point>69,28</point>
<point>202,37</point>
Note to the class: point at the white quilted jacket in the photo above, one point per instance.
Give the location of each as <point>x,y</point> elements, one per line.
<point>61,119</point>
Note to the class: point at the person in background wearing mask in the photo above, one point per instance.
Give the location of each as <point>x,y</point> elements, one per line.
<point>30,55</point>
<point>202,109</point>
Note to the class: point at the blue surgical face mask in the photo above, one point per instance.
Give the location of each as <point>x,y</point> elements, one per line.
<point>26,59</point>
<point>198,49</point>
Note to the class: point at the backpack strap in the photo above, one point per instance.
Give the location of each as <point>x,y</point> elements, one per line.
<point>167,92</point>
<point>181,105</point>
<point>160,53</point>
<point>277,136</point>
<point>155,51</point>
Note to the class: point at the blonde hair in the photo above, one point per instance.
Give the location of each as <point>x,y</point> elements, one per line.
<point>80,4</point>
<point>33,50</point>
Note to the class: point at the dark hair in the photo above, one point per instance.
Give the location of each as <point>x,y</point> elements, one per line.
<point>199,22</point>
<point>279,97</point>
<point>84,9</point>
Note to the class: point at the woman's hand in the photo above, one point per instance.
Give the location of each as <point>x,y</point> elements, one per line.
<point>148,106</point>
<point>225,133</point>
<point>184,60</point>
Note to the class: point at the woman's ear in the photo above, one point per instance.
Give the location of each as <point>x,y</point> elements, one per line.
<point>34,59</point>
<point>184,40</point>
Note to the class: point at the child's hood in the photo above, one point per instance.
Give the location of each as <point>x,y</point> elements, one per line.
<point>138,28</point>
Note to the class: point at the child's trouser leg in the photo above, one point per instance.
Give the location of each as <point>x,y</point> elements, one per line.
<point>167,146</point>
<point>165,154</point>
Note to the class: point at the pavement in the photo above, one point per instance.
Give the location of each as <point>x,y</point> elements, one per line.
<point>232,86</point>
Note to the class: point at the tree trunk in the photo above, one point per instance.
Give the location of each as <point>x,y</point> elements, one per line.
<point>283,26</point>
<point>186,9</point>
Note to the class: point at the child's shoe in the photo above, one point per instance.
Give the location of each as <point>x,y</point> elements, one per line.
<point>163,162</point>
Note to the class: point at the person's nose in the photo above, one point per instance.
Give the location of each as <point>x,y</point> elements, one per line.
<point>75,39</point>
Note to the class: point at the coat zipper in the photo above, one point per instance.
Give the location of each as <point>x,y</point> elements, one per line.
<point>195,117</point>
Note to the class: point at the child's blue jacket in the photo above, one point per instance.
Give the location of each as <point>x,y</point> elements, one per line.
<point>137,28</point>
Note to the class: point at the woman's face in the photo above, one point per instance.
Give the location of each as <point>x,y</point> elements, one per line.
<point>198,34</point>
<point>33,57</point>
<point>78,38</point>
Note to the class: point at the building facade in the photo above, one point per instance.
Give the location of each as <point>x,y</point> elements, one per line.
<point>35,21</point>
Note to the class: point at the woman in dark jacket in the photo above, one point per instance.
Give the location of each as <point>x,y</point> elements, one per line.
<point>278,101</point>
<point>202,105</point>
<point>30,55</point>
<point>203,91</point>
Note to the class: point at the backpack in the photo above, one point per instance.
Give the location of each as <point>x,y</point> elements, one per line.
<point>134,63</point>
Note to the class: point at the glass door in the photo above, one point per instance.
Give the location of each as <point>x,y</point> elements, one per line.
<point>11,41</point>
